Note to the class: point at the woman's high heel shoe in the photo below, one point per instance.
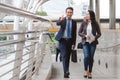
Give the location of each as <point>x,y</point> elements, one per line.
<point>85,74</point>
<point>89,76</point>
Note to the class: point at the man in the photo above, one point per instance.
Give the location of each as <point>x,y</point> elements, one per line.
<point>67,38</point>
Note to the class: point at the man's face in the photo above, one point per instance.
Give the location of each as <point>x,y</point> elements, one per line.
<point>69,13</point>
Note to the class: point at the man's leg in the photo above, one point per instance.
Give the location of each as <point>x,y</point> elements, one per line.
<point>63,50</point>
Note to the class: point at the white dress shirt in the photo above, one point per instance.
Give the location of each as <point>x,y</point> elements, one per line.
<point>65,33</point>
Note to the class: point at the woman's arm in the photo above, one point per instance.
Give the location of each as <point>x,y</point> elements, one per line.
<point>98,31</point>
<point>80,33</point>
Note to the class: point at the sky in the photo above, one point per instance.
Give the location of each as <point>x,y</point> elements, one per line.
<point>56,8</point>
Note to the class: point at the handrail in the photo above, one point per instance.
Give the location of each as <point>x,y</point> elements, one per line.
<point>17,11</point>
<point>17,32</point>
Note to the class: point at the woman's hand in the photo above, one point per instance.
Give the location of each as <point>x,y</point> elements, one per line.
<point>87,37</point>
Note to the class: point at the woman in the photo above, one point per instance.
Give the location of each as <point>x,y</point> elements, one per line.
<point>90,32</point>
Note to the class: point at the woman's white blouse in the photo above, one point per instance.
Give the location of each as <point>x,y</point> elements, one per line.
<point>89,32</point>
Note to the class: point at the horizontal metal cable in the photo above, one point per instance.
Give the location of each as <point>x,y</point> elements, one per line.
<point>26,60</point>
<point>14,51</point>
<point>14,69</point>
<point>28,53</point>
<point>8,62</point>
<point>8,71</point>
<point>25,67</point>
<point>4,43</point>
<point>14,60</point>
<point>26,72</point>
<point>13,77</point>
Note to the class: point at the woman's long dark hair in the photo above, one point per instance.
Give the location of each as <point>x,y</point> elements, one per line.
<point>92,16</point>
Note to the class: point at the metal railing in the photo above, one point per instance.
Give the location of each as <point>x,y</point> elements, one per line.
<point>22,54</point>
<point>24,58</point>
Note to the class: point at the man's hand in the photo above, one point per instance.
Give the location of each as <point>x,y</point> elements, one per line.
<point>73,46</point>
<point>62,18</point>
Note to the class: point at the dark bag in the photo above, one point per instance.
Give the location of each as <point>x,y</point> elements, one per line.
<point>80,45</point>
<point>74,56</point>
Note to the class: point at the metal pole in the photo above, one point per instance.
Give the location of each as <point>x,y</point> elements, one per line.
<point>91,4</point>
<point>112,15</point>
<point>97,10</point>
<point>30,5</point>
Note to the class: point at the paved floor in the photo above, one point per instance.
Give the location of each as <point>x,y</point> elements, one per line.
<point>105,68</point>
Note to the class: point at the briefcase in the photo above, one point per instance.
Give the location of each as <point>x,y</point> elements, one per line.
<point>74,56</point>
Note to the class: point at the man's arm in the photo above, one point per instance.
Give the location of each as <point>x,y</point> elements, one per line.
<point>59,22</point>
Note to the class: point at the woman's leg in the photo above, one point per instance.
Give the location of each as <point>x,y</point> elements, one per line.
<point>86,55</point>
<point>92,51</point>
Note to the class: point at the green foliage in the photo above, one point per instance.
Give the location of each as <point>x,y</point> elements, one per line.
<point>3,37</point>
<point>41,13</point>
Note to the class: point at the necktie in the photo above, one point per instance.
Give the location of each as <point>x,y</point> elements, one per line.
<point>68,29</point>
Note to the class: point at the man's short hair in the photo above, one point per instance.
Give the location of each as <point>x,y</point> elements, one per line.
<point>69,8</point>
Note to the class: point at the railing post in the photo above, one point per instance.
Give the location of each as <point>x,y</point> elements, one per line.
<point>40,51</point>
<point>18,57</point>
<point>30,62</point>
<point>31,55</point>
<point>19,46</point>
<point>38,57</point>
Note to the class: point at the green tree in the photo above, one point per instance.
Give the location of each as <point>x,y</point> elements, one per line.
<point>41,13</point>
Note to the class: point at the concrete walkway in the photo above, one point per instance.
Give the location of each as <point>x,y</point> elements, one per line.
<point>104,69</point>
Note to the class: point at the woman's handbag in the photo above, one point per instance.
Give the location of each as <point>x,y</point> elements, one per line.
<point>80,45</point>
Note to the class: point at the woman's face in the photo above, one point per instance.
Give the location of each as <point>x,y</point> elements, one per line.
<point>88,16</point>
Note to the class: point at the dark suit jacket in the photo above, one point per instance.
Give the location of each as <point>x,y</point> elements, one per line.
<point>62,29</point>
<point>95,31</point>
